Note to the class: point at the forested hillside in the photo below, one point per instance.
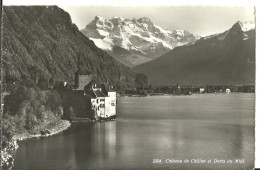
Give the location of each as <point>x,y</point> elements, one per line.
<point>41,49</point>
<point>43,44</point>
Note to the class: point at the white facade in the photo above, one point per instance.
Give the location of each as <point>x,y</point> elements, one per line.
<point>98,104</point>
<point>202,90</point>
<point>110,104</point>
<point>228,91</point>
<point>104,107</point>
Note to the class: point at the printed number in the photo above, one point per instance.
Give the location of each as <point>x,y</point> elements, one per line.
<point>157,161</point>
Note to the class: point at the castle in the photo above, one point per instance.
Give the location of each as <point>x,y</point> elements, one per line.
<point>103,97</point>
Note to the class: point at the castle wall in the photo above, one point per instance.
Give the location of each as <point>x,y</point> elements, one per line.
<point>98,104</point>
<point>111,103</point>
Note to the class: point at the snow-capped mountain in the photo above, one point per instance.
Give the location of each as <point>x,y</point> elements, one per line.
<point>142,39</point>
<point>239,29</point>
<point>224,58</point>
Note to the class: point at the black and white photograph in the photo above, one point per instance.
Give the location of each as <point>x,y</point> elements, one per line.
<point>125,87</point>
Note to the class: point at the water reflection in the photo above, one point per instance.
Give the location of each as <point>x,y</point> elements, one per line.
<point>181,127</point>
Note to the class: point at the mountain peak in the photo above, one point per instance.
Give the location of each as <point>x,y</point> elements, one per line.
<point>118,18</point>
<point>244,26</point>
<point>98,18</point>
<point>224,58</point>
<point>144,20</point>
<point>239,22</point>
<point>139,35</point>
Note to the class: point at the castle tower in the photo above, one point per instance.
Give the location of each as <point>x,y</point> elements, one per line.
<point>82,78</point>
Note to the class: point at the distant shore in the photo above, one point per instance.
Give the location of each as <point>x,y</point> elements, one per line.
<point>173,94</point>
<point>49,129</point>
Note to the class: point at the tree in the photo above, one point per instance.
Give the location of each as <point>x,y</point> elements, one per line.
<point>141,81</point>
<point>53,100</point>
<point>31,121</point>
<point>28,83</point>
<point>43,82</point>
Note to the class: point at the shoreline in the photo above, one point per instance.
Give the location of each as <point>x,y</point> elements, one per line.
<point>171,94</point>
<point>54,127</point>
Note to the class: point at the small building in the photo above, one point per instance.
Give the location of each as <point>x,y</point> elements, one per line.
<point>228,90</point>
<point>178,89</point>
<point>202,90</point>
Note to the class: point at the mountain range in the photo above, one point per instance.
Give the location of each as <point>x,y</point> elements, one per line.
<point>45,39</point>
<point>134,41</point>
<point>224,58</point>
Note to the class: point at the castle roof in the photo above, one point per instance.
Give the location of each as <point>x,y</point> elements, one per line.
<point>104,88</point>
<point>99,93</point>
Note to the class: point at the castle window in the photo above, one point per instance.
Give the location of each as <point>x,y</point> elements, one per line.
<point>102,100</point>
<point>97,100</point>
<point>102,105</point>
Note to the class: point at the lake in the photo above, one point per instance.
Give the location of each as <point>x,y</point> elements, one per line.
<point>156,132</point>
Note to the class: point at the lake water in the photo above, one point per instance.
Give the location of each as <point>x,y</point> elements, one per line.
<point>205,127</point>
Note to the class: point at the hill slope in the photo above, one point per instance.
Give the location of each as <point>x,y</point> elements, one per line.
<point>46,38</point>
<point>226,58</point>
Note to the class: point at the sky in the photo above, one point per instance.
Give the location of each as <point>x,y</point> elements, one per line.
<point>201,20</point>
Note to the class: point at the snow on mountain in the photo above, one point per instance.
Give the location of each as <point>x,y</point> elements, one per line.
<point>139,36</point>
<point>246,26</point>
<point>239,28</point>
<point>103,44</point>
<point>223,58</point>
